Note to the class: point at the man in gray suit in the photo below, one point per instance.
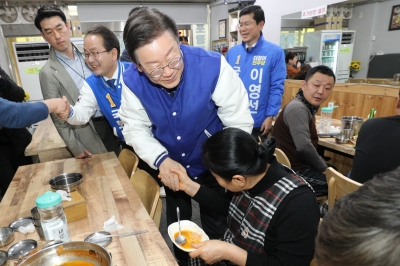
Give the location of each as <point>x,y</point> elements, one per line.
<point>62,75</point>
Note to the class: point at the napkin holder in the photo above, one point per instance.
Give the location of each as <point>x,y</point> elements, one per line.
<point>76,208</point>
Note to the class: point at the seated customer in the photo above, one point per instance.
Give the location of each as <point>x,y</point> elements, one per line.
<point>301,75</point>
<point>295,129</point>
<point>363,227</point>
<point>377,148</point>
<point>267,225</point>
<point>292,65</point>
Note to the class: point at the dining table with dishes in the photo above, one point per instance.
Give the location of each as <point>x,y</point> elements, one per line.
<point>106,194</point>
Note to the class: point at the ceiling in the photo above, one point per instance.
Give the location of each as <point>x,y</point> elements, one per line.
<point>70,2</point>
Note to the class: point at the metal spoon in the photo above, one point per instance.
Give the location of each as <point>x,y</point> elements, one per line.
<point>180,239</point>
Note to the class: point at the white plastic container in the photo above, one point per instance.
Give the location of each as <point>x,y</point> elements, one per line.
<point>52,216</point>
<point>325,121</point>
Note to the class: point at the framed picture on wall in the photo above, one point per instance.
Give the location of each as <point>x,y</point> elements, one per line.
<point>222,29</point>
<point>394,23</point>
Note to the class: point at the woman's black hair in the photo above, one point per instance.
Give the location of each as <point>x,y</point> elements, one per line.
<point>233,151</point>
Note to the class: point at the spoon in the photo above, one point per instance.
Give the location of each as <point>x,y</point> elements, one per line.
<point>123,234</point>
<point>180,239</point>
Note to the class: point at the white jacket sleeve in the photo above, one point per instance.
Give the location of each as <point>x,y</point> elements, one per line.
<point>136,131</point>
<point>85,107</point>
<point>232,100</point>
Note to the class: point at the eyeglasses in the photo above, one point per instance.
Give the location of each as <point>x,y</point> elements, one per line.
<point>245,25</point>
<point>94,55</point>
<point>173,63</point>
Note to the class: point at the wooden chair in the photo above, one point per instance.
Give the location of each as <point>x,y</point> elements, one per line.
<point>338,186</point>
<point>356,81</point>
<point>379,81</point>
<point>129,161</point>
<point>282,158</point>
<point>149,193</point>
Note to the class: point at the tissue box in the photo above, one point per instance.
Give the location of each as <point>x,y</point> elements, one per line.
<point>76,208</point>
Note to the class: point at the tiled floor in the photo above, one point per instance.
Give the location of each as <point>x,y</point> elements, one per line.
<point>163,223</point>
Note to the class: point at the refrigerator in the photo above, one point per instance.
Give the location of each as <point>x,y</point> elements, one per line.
<point>332,48</point>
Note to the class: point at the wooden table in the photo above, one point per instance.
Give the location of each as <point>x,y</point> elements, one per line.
<point>107,191</point>
<point>47,144</point>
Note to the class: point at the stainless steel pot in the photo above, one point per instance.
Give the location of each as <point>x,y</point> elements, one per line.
<point>351,122</point>
<point>396,77</point>
<point>71,251</point>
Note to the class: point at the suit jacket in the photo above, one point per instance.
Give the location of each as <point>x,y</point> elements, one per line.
<point>55,83</point>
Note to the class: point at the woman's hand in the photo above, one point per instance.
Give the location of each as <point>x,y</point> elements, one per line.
<point>168,178</point>
<point>185,183</point>
<point>212,251</point>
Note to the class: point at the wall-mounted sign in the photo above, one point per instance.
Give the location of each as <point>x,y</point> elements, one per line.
<point>313,12</point>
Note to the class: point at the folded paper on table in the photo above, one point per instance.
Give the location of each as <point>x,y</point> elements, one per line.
<point>112,225</point>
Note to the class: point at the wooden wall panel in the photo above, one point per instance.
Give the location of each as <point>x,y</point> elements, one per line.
<point>353,99</point>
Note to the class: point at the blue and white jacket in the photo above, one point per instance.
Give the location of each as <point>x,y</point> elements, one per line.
<point>263,72</point>
<point>209,97</point>
<point>95,94</point>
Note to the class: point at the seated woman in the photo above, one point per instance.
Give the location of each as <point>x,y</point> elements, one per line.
<point>301,75</point>
<point>272,215</point>
<point>292,65</point>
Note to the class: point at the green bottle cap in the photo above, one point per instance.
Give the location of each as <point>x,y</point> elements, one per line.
<point>328,109</point>
<point>48,199</point>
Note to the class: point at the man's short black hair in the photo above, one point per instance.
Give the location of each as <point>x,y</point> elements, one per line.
<point>48,12</point>
<point>110,41</point>
<point>136,9</point>
<point>258,13</point>
<point>320,69</point>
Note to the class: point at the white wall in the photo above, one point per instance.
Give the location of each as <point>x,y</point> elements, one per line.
<point>274,10</point>
<point>218,11</point>
<point>374,22</point>
<point>181,13</point>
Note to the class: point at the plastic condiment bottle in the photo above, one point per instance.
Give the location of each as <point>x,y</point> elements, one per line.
<point>52,216</point>
<point>326,119</point>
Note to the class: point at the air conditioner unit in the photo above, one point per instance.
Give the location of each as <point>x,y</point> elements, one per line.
<point>329,11</point>
<point>9,15</point>
<point>28,13</point>
<point>337,12</point>
<point>347,12</point>
<point>18,14</point>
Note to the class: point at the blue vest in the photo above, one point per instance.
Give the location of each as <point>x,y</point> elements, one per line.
<point>182,123</point>
<point>109,99</point>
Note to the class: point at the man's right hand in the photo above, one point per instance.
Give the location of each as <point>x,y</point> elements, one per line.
<point>64,115</point>
<point>168,178</point>
<point>83,155</point>
<point>56,105</point>
<point>298,64</point>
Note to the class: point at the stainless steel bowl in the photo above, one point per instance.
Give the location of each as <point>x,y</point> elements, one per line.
<point>71,251</point>
<point>6,236</point>
<point>68,182</point>
<point>341,139</point>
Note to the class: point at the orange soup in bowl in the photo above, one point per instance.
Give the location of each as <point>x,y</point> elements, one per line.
<point>191,237</point>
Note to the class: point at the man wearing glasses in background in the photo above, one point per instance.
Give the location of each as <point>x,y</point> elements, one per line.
<point>63,75</point>
<point>175,98</point>
<point>103,89</point>
<point>261,66</point>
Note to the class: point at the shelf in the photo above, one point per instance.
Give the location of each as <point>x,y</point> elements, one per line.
<point>327,56</point>
<point>329,50</point>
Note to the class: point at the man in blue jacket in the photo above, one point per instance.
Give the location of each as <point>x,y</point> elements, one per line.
<point>261,66</point>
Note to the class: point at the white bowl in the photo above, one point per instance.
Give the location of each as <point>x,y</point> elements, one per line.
<point>186,225</point>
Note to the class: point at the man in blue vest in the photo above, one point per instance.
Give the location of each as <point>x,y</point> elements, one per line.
<point>103,88</point>
<point>173,99</point>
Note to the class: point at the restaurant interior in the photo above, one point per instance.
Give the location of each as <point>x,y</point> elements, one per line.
<point>105,188</point>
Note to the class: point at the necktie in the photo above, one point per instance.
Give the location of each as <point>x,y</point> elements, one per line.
<point>111,82</point>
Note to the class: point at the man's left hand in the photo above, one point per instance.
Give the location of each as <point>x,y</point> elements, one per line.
<point>266,126</point>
